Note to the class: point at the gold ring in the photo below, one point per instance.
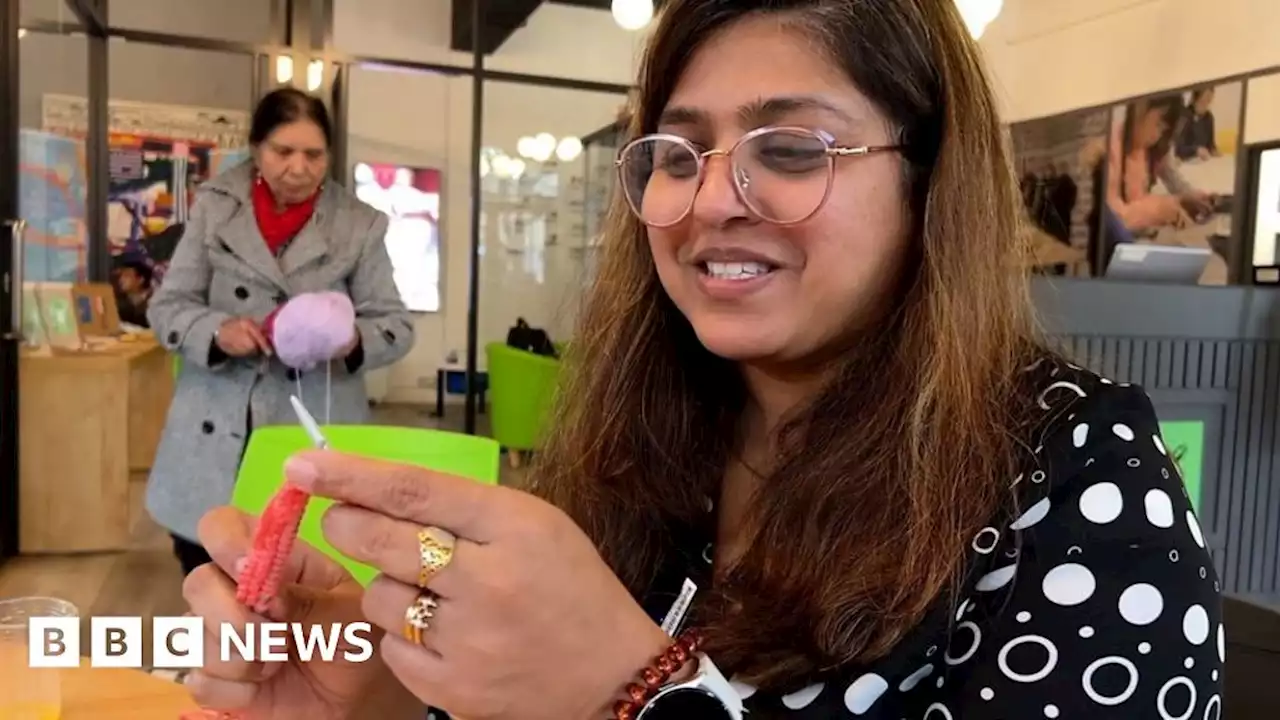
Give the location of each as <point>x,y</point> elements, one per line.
<point>435,551</point>
<point>417,617</point>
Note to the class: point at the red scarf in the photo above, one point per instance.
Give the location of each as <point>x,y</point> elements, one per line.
<point>278,227</point>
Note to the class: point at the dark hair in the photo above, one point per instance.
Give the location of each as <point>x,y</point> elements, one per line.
<point>141,268</point>
<point>1170,108</point>
<point>286,105</point>
<point>865,520</point>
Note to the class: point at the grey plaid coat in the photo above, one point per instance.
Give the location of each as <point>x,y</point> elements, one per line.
<point>222,268</point>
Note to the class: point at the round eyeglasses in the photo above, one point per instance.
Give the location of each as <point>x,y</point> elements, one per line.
<point>783,175</point>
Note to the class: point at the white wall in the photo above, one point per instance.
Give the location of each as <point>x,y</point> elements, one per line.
<point>1049,57</point>
<point>557,40</point>
<point>424,119</point>
<point>1262,113</point>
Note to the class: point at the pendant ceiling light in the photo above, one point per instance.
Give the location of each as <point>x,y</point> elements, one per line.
<point>632,14</point>
<point>978,14</point>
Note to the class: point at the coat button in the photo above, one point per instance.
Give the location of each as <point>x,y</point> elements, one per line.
<point>207,427</point>
<point>173,339</point>
<point>291,374</point>
<point>242,292</point>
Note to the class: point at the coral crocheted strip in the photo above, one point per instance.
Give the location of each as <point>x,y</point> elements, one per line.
<point>272,543</point>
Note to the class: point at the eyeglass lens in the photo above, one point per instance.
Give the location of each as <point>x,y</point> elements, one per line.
<point>782,176</point>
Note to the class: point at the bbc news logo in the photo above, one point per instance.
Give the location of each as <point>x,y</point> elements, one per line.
<point>179,642</point>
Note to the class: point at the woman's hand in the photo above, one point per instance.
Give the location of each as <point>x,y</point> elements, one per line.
<point>241,337</point>
<point>1172,213</point>
<point>531,624</point>
<point>318,592</point>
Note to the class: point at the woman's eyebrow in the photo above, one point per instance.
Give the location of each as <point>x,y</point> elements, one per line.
<point>767,111</point>
<point>682,116</point>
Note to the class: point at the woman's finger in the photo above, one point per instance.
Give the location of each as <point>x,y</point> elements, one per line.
<point>212,596</point>
<point>388,544</point>
<point>463,507</point>
<point>385,603</point>
<point>215,693</point>
<point>256,337</point>
<point>227,535</point>
<point>424,674</point>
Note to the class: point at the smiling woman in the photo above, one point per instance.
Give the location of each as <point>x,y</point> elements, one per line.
<point>810,439</point>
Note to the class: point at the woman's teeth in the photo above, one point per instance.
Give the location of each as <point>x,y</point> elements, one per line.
<point>737,271</point>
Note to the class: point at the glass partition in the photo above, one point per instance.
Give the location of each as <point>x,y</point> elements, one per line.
<point>540,207</point>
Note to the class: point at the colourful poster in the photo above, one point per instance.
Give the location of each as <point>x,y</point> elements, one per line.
<point>52,192</point>
<point>1184,441</point>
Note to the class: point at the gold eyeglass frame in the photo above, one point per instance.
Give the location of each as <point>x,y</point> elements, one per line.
<point>833,151</point>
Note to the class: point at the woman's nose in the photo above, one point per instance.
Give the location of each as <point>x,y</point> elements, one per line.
<point>717,201</point>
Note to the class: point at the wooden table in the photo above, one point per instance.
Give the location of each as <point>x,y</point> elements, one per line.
<point>90,421</point>
<point>115,694</point>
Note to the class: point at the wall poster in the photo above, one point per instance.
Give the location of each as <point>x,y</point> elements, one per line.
<point>1171,173</point>
<point>410,196</point>
<point>159,154</point>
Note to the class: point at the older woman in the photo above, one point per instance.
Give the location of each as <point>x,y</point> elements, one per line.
<point>811,440</point>
<point>258,235</point>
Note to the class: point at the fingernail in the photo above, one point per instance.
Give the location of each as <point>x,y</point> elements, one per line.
<point>240,565</point>
<point>301,472</point>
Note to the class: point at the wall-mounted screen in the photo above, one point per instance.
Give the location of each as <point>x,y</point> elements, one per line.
<point>1266,221</point>
<point>410,196</point>
<point>1171,173</point>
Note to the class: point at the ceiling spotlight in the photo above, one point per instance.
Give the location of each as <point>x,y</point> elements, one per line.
<point>569,149</point>
<point>315,75</point>
<point>527,147</point>
<point>632,14</point>
<point>284,69</point>
<point>545,147</point>
<point>978,14</point>
<point>22,32</point>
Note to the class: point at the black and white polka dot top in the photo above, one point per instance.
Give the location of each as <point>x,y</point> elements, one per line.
<point>1098,600</point>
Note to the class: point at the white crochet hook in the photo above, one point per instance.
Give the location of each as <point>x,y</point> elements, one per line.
<point>309,424</point>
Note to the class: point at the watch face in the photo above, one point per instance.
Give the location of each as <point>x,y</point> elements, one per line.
<point>685,704</point>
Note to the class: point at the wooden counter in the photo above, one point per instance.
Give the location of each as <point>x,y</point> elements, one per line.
<point>117,694</point>
<point>90,422</point>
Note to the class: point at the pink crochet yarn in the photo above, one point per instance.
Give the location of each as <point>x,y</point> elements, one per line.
<point>312,328</point>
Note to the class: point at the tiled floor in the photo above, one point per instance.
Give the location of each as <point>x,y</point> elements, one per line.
<point>146,580</point>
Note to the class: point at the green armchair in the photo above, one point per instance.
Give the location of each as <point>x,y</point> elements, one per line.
<point>522,388</point>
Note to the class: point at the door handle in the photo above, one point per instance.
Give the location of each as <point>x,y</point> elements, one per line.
<point>13,278</point>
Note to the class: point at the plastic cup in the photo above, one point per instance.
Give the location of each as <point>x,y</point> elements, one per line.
<point>28,693</point>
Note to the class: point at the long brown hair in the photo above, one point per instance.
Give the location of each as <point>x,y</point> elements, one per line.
<point>885,476</point>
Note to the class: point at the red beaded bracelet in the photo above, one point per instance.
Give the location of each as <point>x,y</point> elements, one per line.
<point>653,677</point>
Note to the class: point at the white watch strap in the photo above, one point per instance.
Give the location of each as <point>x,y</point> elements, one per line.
<point>710,678</point>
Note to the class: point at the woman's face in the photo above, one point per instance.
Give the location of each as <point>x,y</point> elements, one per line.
<point>294,160</point>
<point>1204,100</point>
<point>1150,128</point>
<point>822,278</point>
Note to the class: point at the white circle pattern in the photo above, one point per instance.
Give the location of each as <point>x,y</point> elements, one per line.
<point>1163,696</point>
<point>864,692</point>
<point>1215,703</point>
<point>1141,604</point>
<point>1159,508</point>
<point>1195,625</point>
<point>1069,584</point>
<point>1101,503</point>
<point>1051,660</point>
<point>1094,695</point>
<point>803,698</point>
<point>985,547</point>
<point>973,646</point>
<point>1134,495</point>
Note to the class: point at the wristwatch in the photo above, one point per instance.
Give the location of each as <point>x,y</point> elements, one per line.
<point>708,696</point>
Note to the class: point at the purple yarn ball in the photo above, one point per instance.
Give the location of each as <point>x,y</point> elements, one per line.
<point>313,328</point>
